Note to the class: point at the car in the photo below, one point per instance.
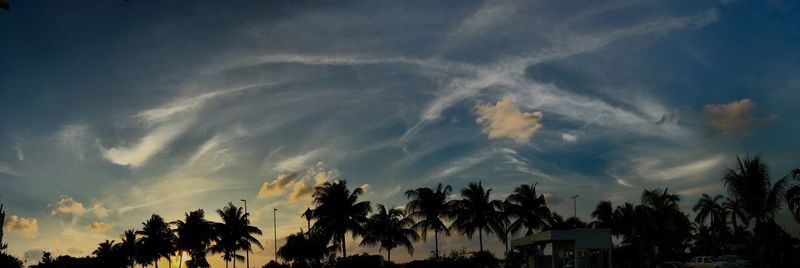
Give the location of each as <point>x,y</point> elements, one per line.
<point>708,262</point>
<point>736,260</point>
<point>671,264</point>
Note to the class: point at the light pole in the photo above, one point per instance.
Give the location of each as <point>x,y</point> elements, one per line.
<point>275,232</point>
<point>575,204</point>
<point>247,252</point>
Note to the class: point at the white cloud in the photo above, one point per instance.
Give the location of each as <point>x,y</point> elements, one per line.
<point>569,138</point>
<point>27,227</point>
<point>298,162</point>
<point>99,210</point>
<point>504,120</point>
<point>20,153</point>
<point>488,16</point>
<point>148,146</point>
<point>67,206</point>
<point>74,138</point>
<point>99,227</point>
<point>277,186</point>
<point>732,118</point>
<point>8,170</point>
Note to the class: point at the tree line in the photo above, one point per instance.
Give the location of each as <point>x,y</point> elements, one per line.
<point>654,230</point>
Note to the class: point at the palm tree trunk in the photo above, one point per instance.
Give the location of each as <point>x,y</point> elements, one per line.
<point>480,238</point>
<point>226,263</point>
<point>436,242</point>
<point>180,262</point>
<point>157,262</point>
<point>344,247</point>
<point>388,255</point>
<point>234,259</point>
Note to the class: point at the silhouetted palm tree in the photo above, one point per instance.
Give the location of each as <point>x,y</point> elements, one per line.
<point>390,229</point>
<point>529,210</point>
<point>195,235</point>
<point>708,207</point>
<point>428,207</point>
<point>624,220</point>
<point>662,224</point>
<point>338,211</point>
<point>305,249</point>
<point>156,240</point>
<point>733,209</point>
<point>603,214</point>
<point>793,196</point>
<point>108,254</point>
<point>504,228</point>
<point>234,233</point>
<point>476,211</point>
<point>751,184</point>
<point>128,247</point>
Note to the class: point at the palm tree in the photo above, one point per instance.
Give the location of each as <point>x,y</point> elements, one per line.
<point>108,254</point>
<point>428,207</point>
<point>305,249</point>
<point>662,223</point>
<point>476,211</point>
<point>604,215</point>
<point>338,211</point>
<point>390,229</point>
<point>156,240</point>
<point>529,210</point>
<point>751,184</point>
<point>128,246</point>
<point>793,196</point>
<point>624,220</point>
<point>234,233</point>
<point>708,207</point>
<point>733,209</point>
<point>504,228</point>
<point>195,235</point>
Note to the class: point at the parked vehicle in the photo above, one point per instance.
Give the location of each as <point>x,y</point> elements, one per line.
<point>735,260</point>
<point>709,262</point>
<point>671,264</point>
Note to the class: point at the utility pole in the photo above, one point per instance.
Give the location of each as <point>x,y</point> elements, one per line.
<point>575,204</point>
<point>275,232</point>
<point>247,251</point>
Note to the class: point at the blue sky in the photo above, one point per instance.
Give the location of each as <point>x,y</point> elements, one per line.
<point>113,110</point>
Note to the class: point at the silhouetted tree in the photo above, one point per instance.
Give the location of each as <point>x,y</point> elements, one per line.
<point>305,249</point>
<point>428,207</point>
<point>751,184</point>
<point>793,196</point>
<point>156,240</point>
<point>732,208</point>
<point>603,214</point>
<point>128,247</point>
<point>708,207</point>
<point>108,254</point>
<point>390,229</point>
<point>195,235</point>
<point>476,211</point>
<point>529,210</point>
<point>234,233</point>
<point>338,211</point>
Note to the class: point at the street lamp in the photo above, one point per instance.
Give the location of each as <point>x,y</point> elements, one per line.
<point>247,252</point>
<point>275,232</point>
<point>575,204</point>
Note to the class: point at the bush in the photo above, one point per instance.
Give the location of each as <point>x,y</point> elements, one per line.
<point>9,261</point>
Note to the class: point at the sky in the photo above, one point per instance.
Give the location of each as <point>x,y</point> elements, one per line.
<point>111,111</point>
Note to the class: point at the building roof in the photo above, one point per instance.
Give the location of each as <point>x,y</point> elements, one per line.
<point>583,238</point>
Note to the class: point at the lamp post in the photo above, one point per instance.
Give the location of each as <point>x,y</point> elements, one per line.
<point>575,204</point>
<point>247,252</point>
<point>275,232</point>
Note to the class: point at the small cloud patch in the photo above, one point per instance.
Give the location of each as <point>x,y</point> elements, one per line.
<point>505,120</point>
<point>733,118</point>
<point>99,227</point>
<point>27,227</point>
<point>67,206</point>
